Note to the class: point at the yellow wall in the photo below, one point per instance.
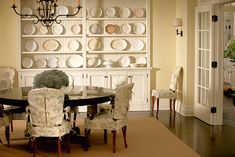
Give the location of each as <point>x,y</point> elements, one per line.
<point>163,42</point>
<point>9,35</point>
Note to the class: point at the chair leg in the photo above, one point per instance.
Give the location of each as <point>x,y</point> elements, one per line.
<point>157,108</point>
<point>170,103</point>
<point>174,105</point>
<point>74,119</point>
<point>59,147</point>
<point>68,150</point>
<point>105,136</point>
<point>87,134</point>
<point>34,147</point>
<point>153,99</point>
<point>114,140</point>
<point>124,135</point>
<point>7,134</point>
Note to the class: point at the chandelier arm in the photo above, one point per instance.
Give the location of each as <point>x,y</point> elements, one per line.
<point>67,15</point>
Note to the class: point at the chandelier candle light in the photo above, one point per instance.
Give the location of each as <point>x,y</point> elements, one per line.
<point>47,12</point>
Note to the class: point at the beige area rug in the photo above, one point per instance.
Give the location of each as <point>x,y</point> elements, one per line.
<point>146,137</point>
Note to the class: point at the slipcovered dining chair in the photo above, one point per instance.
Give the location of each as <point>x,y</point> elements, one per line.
<point>170,93</point>
<point>114,120</point>
<point>7,77</point>
<point>46,114</point>
<point>116,83</point>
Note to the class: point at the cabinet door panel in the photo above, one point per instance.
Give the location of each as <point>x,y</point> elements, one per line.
<point>96,79</point>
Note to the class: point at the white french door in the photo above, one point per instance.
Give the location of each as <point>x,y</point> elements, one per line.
<point>205,82</point>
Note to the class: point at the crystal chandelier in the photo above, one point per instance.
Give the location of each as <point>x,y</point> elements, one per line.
<point>47,12</point>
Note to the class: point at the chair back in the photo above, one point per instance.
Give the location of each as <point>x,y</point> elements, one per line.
<point>122,101</point>
<point>7,77</point>
<point>174,78</point>
<point>119,81</point>
<point>46,107</point>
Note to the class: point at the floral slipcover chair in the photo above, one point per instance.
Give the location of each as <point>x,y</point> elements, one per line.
<point>114,120</point>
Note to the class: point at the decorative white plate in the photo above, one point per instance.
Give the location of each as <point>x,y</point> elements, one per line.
<point>141,60</point>
<point>27,62</point>
<point>126,28</point>
<point>73,45</point>
<point>76,29</point>
<point>61,63</point>
<point>62,10</point>
<point>26,10</point>
<point>95,28</point>
<point>31,45</point>
<point>29,29</point>
<point>124,12</point>
<point>124,61</point>
<point>51,45</point>
<point>41,63</point>
<point>75,61</point>
<point>99,62</point>
<point>57,29</point>
<point>94,44</point>
<point>139,12</point>
<point>52,62</point>
<point>138,45</point>
<point>119,44</point>
<point>96,11</point>
<point>139,28</point>
<point>92,62</point>
<point>43,30</point>
<point>110,12</point>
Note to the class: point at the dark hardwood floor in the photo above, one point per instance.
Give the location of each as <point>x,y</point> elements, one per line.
<point>206,140</point>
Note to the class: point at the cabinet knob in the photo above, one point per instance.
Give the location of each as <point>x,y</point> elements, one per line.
<point>105,76</point>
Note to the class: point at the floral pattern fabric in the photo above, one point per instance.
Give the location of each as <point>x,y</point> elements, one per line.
<point>46,113</point>
<point>117,118</point>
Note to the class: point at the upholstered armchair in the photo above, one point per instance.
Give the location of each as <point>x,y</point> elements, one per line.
<point>46,116</point>
<point>114,120</point>
<point>170,93</point>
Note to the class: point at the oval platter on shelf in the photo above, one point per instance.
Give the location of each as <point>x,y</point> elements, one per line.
<point>119,44</point>
<point>51,45</point>
<point>94,44</point>
<point>75,61</point>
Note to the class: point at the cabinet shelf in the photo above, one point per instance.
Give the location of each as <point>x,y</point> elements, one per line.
<point>52,52</point>
<point>61,18</point>
<point>117,35</point>
<point>117,19</point>
<point>115,52</point>
<point>50,36</point>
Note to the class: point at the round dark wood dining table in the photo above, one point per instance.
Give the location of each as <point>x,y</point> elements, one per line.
<point>74,96</point>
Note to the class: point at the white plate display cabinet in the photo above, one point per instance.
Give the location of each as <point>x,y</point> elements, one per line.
<point>106,37</point>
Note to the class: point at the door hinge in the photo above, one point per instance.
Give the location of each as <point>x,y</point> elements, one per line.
<point>214,64</point>
<point>214,18</point>
<point>147,100</point>
<point>213,110</point>
<point>147,75</point>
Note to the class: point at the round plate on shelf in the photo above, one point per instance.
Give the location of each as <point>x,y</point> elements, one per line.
<point>31,45</point>
<point>94,44</point>
<point>51,45</point>
<point>73,45</point>
<point>138,45</point>
<point>110,12</point>
<point>57,29</point>
<point>110,29</point>
<point>96,11</point>
<point>141,60</point>
<point>124,12</point>
<point>52,62</point>
<point>92,62</point>
<point>27,62</point>
<point>26,10</point>
<point>76,29</point>
<point>139,28</point>
<point>43,30</point>
<point>61,63</point>
<point>41,63</point>
<point>126,28</point>
<point>75,61</point>
<point>61,10</point>
<point>124,61</point>
<point>29,29</point>
<point>119,44</point>
<point>95,28</point>
<point>139,12</point>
